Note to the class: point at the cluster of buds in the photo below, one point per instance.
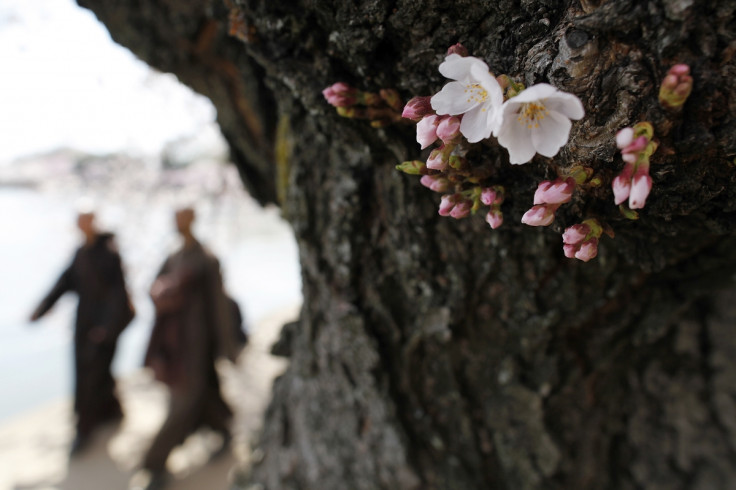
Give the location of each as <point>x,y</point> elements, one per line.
<point>493,198</point>
<point>549,196</point>
<point>431,127</point>
<point>455,205</point>
<point>381,109</point>
<point>461,204</point>
<point>634,183</point>
<point>446,169</point>
<point>581,240</point>
<point>676,87</point>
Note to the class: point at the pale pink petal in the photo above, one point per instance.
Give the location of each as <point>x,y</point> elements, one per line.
<point>680,69</point>
<point>640,187</point>
<point>461,210</point>
<point>482,76</point>
<point>588,250</point>
<point>448,129</point>
<point>621,188</point>
<point>570,250</point>
<point>541,191</point>
<point>458,67</point>
<point>535,93</point>
<point>629,157</point>
<point>557,192</point>
<point>427,131</point>
<point>624,138</point>
<point>453,100</point>
<point>487,196</point>
<point>566,104</point>
<point>636,145</point>
<point>474,125</point>
<point>538,216</point>
<point>447,202</point>
<point>552,134</point>
<point>575,234</point>
<point>494,218</point>
<point>436,160</point>
<point>516,138</point>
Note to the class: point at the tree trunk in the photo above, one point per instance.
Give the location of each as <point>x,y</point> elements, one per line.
<point>435,353</point>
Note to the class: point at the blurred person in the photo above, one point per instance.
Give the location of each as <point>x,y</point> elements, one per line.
<point>103,311</point>
<point>195,324</point>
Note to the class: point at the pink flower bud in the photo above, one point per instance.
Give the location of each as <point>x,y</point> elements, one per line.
<point>447,203</point>
<point>457,49</point>
<point>461,209</point>
<point>676,87</point>
<point>427,130</point>
<point>641,184</point>
<point>448,129</point>
<point>487,196</point>
<point>587,250</point>
<point>340,94</point>
<point>437,159</point>
<point>629,157</point>
<point>621,188</point>
<point>569,249</point>
<point>435,183</point>
<point>637,145</point>
<point>670,82</point>
<point>680,70</point>
<point>541,215</point>
<point>417,108</point>
<point>554,192</point>
<point>624,138</point>
<point>494,218</point>
<point>575,234</point>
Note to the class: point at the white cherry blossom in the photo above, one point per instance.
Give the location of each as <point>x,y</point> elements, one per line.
<point>475,94</point>
<point>537,121</point>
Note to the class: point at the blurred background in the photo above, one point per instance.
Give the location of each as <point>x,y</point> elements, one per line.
<point>81,117</point>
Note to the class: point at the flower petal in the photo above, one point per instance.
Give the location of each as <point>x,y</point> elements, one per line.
<point>475,124</point>
<point>535,92</point>
<point>458,67</point>
<point>516,139</point>
<point>427,130</point>
<point>486,79</point>
<point>567,104</point>
<point>551,134</point>
<point>453,100</point>
<point>621,189</point>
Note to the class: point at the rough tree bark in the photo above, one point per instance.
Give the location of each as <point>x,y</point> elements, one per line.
<point>438,354</point>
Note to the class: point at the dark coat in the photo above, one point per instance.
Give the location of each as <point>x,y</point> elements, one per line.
<point>96,275</point>
<point>195,324</point>
<point>195,319</point>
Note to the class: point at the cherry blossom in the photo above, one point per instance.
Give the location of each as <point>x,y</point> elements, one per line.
<point>474,93</point>
<point>537,121</point>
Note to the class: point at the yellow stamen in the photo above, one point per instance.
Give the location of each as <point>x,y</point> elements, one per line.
<point>478,94</point>
<point>531,114</point>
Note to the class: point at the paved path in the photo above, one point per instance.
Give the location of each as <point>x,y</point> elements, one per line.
<point>34,446</point>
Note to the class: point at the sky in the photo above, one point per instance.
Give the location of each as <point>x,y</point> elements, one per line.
<point>65,83</point>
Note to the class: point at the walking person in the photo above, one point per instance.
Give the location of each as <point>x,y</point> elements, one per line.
<point>104,310</point>
<point>195,324</point>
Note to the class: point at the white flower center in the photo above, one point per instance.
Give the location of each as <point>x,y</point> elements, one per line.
<point>531,114</point>
<point>476,93</point>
